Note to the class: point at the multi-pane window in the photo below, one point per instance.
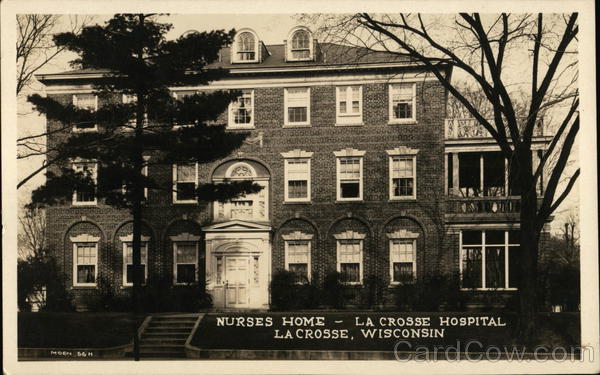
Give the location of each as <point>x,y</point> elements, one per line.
<point>85,194</point>
<point>297,106</point>
<point>185,178</point>
<point>301,45</point>
<point>402,177</point>
<point>297,179</point>
<point>86,263</point>
<point>241,112</point>
<point>489,259</point>
<point>90,103</point>
<point>185,261</point>
<point>297,258</point>
<point>350,260</point>
<point>349,176</point>
<point>402,102</point>
<point>349,105</point>
<point>402,260</point>
<point>128,262</point>
<point>246,47</point>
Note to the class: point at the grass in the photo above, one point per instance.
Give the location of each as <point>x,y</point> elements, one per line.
<point>74,330</point>
<point>554,329</point>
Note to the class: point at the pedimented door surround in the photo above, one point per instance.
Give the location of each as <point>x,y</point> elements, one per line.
<point>238,264</point>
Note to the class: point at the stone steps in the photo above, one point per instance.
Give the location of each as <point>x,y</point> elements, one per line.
<point>165,336</point>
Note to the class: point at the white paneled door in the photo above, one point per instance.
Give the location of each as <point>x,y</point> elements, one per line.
<point>238,280</point>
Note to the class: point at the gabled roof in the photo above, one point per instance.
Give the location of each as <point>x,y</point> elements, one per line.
<point>328,56</point>
<point>237,225</point>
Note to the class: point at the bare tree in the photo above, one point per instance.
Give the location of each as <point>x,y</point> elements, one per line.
<point>35,50</point>
<point>32,234</point>
<point>525,66</point>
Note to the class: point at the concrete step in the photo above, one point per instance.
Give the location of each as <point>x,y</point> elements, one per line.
<point>167,330</point>
<point>171,324</point>
<point>165,335</point>
<point>164,339</point>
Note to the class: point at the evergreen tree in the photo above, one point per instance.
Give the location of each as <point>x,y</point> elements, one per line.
<point>138,61</point>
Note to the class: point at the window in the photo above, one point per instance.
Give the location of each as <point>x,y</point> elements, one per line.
<point>349,105</point>
<point>185,261</point>
<point>297,106</point>
<point>402,260</point>
<point>301,45</point>
<point>350,260</point>
<point>85,195</point>
<point>185,178</point>
<point>245,47</point>
<point>489,259</point>
<point>297,259</point>
<point>482,174</point>
<point>349,174</point>
<point>402,102</point>
<point>402,177</point>
<point>90,103</point>
<point>128,262</point>
<point>85,263</point>
<point>297,180</point>
<point>241,112</point>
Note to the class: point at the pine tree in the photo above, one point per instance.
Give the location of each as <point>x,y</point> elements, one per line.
<point>141,63</point>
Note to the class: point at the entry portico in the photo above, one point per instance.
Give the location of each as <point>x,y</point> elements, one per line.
<point>238,264</point>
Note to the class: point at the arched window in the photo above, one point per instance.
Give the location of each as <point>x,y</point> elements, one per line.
<point>246,48</point>
<point>300,45</point>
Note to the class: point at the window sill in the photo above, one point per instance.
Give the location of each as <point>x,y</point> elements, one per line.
<point>185,203</point>
<point>403,122</point>
<point>245,127</point>
<point>84,205</point>
<point>85,130</point>
<point>407,199</point>
<point>351,124</point>
<point>488,289</point>
<point>297,202</point>
<point>84,286</point>
<point>350,201</point>
<point>285,126</point>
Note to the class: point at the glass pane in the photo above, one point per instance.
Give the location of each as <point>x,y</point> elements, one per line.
<point>298,189</point>
<point>402,110</point>
<point>494,267</point>
<point>350,272</point>
<point>403,271</point>
<point>186,191</point>
<point>471,268</point>
<point>300,40</point>
<point>469,173</point>
<point>403,187</point>
<point>186,173</point>
<point>494,237</point>
<point>86,101</point>
<point>86,274</point>
<point>350,189</point>
<point>186,252</point>
<point>514,237</point>
<point>301,271</point>
<point>297,114</point>
<point>493,174</point>
<point>472,237</point>
<point>401,251</point>
<point>514,266</point>
<point>186,273</point>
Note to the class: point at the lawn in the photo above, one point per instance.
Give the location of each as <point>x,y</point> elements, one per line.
<point>555,329</point>
<point>74,330</point>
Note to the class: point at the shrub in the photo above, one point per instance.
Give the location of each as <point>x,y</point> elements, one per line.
<point>335,293</point>
<point>35,273</point>
<point>435,292</point>
<point>560,285</point>
<point>287,293</point>
<point>372,293</point>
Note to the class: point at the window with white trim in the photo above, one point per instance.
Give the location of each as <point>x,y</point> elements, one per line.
<point>85,263</point>
<point>297,180</point>
<point>241,111</point>
<point>402,102</point>
<point>86,195</point>
<point>128,262</point>
<point>185,182</point>
<point>297,106</point>
<point>301,46</point>
<point>349,256</point>
<point>349,105</point>
<point>88,101</point>
<point>244,48</point>
<point>349,178</point>
<point>297,259</point>
<point>402,260</point>
<point>403,177</point>
<point>186,259</point>
<point>489,259</point>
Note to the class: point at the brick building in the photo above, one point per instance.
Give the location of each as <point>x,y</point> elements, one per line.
<point>362,174</point>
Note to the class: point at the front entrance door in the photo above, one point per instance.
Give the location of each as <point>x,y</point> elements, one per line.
<point>236,276</point>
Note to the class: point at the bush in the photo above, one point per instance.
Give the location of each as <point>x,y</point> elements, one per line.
<point>335,293</point>
<point>372,293</point>
<point>560,285</point>
<point>288,294</point>
<point>435,292</point>
<point>35,273</point>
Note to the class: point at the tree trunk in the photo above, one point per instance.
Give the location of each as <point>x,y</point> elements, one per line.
<point>529,241</point>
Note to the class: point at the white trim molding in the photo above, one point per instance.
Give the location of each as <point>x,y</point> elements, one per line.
<point>402,150</point>
<point>84,238</point>
<point>350,235</point>
<point>297,236</point>
<point>129,238</point>
<point>185,237</point>
<point>297,153</point>
<point>349,152</point>
<point>402,234</point>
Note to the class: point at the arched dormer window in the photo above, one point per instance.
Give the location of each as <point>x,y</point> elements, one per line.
<point>245,47</point>
<point>300,45</point>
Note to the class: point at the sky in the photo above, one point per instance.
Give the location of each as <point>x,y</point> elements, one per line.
<point>271,29</point>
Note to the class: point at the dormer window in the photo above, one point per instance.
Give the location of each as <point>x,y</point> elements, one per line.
<point>300,45</point>
<point>245,47</point>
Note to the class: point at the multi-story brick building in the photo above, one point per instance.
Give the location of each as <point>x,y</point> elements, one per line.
<point>351,149</point>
